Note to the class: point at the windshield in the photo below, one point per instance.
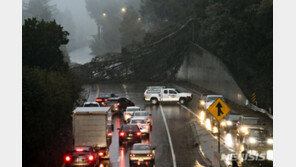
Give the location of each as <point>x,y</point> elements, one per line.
<point>132,109</point>
<point>130,128</point>
<point>234,117</point>
<point>91,105</point>
<point>141,147</point>
<point>141,114</point>
<point>138,121</point>
<point>213,99</point>
<point>251,121</point>
<point>258,133</point>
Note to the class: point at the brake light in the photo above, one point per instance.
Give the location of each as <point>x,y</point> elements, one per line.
<point>101,153</point>
<point>121,134</point>
<point>67,158</point>
<point>105,99</point>
<point>109,133</point>
<point>103,104</point>
<point>99,100</point>
<point>148,119</point>
<point>132,155</point>
<point>149,155</point>
<point>138,133</point>
<point>117,104</point>
<point>90,157</point>
<point>139,163</point>
<point>79,149</point>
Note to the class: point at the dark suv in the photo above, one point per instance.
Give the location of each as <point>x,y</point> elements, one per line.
<point>81,156</point>
<point>119,104</point>
<point>129,134</point>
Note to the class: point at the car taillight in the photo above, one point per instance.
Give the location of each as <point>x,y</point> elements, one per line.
<point>109,133</point>
<point>117,104</point>
<point>90,158</point>
<point>139,163</point>
<point>101,153</point>
<point>121,134</point>
<point>148,119</point>
<point>149,155</point>
<point>99,100</point>
<point>105,99</point>
<point>67,158</point>
<point>132,155</point>
<point>103,104</point>
<point>138,133</point>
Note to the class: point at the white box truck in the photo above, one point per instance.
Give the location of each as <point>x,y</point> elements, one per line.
<point>90,128</point>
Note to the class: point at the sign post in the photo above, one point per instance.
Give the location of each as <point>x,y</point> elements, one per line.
<point>219,110</point>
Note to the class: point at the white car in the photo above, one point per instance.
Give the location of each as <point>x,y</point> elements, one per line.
<point>129,112</point>
<point>91,104</point>
<point>143,115</point>
<point>142,124</point>
<point>166,95</point>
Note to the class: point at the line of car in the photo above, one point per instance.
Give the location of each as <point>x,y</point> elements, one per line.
<point>247,134</point>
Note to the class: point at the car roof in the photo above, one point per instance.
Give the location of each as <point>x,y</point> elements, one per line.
<point>90,102</point>
<point>138,118</point>
<point>141,144</point>
<point>214,95</point>
<point>133,107</point>
<point>141,111</point>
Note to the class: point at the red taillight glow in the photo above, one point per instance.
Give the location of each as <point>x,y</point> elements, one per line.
<point>79,149</point>
<point>132,155</point>
<point>109,133</point>
<point>101,154</point>
<point>139,163</point>
<point>148,119</point>
<point>67,158</point>
<point>90,157</point>
<point>117,104</point>
<point>105,99</point>
<point>149,155</point>
<point>138,133</point>
<point>121,134</point>
<point>99,100</point>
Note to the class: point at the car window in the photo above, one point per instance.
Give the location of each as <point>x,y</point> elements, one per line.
<point>165,91</point>
<point>141,114</point>
<point>130,127</point>
<point>91,105</point>
<point>172,92</point>
<point>138,121</point>
<point>141,147</point>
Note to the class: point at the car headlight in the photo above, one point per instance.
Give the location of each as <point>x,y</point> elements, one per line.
<point>252,140</point>
<point>215,129</point>
<point>229,123</point>
<point>202,115</point>
<point>244,130</point>
<point>202,102</point>
<point>270,141</point>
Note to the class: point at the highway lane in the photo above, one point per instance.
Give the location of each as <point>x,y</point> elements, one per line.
<point>178,125</point>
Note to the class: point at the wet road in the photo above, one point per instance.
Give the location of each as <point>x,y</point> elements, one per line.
<point>175,149</point>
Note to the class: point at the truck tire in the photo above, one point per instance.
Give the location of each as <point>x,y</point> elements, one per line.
<point>182,100</point>
<point>154,101</point>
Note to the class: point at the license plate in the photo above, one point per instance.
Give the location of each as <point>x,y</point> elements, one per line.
<point>141,159</point>
<point>79,160</point>
<point>130,135</point>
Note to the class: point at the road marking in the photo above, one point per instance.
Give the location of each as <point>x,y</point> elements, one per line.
<point>98,91</point>
<point>169,136</point>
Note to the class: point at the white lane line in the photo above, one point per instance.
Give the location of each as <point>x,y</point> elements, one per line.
<point>169,137</point>
<point>98,91</point>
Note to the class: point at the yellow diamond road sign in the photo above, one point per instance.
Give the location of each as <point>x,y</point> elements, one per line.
<point>219,109</point>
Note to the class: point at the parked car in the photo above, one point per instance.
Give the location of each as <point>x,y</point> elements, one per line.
<point>81,156</point>
<point>129,112</point>
<point>129,134</point>
<point>142,154</point>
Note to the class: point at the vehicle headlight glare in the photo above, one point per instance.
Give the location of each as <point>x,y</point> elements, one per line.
<point>223,123</point>
<point>270,141</point>
<point>252,140</point>
<point>202,102</point>
<point>202,115</point>
<point>269,155</point>
<point>229,123</point>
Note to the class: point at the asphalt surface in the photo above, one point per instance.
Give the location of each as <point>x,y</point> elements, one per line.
<point>175,149</point>
<point>171,133</point>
